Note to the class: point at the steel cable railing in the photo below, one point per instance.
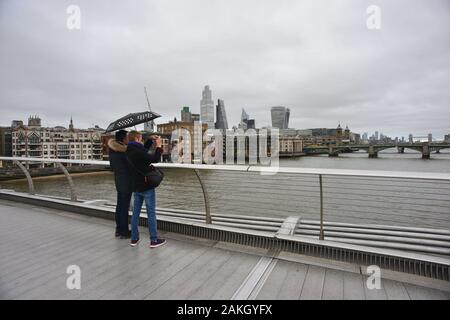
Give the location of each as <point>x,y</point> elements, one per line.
<point>356,199</point>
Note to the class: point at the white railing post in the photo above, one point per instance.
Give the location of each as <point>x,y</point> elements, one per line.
<point>73,195</point>
<point>321,236</point>
<point>27,175</point>
<point>208,219</point>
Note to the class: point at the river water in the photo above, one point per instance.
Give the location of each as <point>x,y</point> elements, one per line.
<point>354,200</point>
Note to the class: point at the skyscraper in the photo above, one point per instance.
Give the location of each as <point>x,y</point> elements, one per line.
<point>222,122</point>
<point>207,108</point>
<point>365,137</point>
<point>280,117</point>
<point>186,115</point>
<point>251,124</point>
<point>244,115</point>
<point>246,122</point>
<point>195,117</point>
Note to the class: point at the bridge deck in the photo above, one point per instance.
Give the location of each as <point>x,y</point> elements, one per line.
<point>38,244</point>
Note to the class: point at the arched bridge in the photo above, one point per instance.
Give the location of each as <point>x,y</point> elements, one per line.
<point>372,149</point>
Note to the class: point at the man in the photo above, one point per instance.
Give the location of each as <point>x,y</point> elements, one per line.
<point>140,160</point>
<point>123,182</point>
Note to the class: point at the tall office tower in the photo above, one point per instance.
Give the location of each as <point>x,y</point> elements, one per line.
<point>251,124</point>
<point>430,138</point>
<point>195,117</point>
<point>410,138</point>
<point>244,115</point>
<point>244,119</point>
<point>377,137</point>
<point>222,122</point>
<point>365,136</point>
<point>280,117</point>
<point>207,108</point>
<point>447,138</point>
<point>186,115</point>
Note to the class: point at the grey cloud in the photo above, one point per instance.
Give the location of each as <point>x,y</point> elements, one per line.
<point>316,57</point>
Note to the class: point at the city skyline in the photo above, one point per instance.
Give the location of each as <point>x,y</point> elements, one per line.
<point>221,123</point>
<point>207,95</point>
<point>325,65</point>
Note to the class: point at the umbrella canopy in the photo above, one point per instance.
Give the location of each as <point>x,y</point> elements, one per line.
<point>131,120</point>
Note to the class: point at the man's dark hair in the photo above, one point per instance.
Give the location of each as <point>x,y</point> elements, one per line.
<point>121,135</point>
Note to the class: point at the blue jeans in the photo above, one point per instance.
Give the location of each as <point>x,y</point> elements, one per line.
<point>150,204</point>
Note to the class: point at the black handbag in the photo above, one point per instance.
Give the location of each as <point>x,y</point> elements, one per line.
<point>153,178</point>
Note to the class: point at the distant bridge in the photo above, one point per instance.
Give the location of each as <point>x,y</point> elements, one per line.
<point>372,149</point>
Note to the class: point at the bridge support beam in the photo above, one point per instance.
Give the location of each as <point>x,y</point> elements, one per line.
<point>426,151</point>
<point>373,153</point>
<point>332,152</point>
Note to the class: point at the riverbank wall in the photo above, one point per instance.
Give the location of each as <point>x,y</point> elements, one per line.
<point>13,173</point>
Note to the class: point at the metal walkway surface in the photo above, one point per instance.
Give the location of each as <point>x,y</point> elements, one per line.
<point>38,244</point>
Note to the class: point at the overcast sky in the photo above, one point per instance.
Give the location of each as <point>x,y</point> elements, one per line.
<point>316,57</point>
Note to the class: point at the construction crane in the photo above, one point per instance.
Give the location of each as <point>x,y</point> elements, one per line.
<point>149,126</point>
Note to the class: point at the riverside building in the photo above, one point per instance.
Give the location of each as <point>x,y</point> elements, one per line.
<point>34,140</point>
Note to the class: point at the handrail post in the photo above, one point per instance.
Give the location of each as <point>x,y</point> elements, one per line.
<point>73,195</point>
<point>208,219</point>
<point>321,236</point>
<point>27,174</point>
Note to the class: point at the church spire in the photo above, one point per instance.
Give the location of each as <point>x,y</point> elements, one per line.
<point>71,128</point>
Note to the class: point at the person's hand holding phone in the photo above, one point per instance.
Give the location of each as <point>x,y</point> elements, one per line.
<point>157,141</point>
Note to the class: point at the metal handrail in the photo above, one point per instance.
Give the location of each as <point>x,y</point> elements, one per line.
<point>263,169</point>
<point>196,168</point>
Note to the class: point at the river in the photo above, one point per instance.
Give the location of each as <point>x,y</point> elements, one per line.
<point>356,200</point>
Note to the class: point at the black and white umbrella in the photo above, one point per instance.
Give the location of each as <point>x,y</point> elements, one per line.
<point>131,120</point>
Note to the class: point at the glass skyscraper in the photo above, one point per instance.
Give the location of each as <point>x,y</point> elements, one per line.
<point>222,122</point>
<point>246,122</point>
<point>280,117</point>
<point>207,108</point>
<point>244,116</point>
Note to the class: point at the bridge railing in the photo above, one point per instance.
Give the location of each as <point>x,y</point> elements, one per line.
<point>362,206</point>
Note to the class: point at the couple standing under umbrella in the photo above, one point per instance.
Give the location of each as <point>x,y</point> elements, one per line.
<point>131,162</point>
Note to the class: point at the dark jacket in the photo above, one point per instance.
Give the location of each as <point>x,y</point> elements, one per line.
<point>120,166</point>
<point>140,159</point>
